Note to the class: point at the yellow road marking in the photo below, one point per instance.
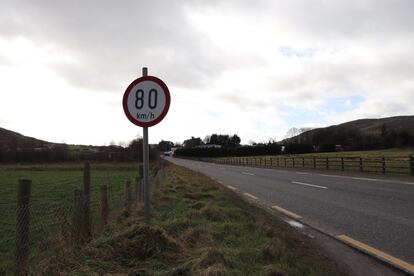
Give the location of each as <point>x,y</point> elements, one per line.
<point>251,196</point>
<point>286,212</point>
<point>378,253</point>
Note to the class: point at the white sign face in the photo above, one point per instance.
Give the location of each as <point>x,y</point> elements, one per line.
<point>146,101</point>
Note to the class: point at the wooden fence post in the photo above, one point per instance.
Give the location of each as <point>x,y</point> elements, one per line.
<point>137,189</point>
<point>327,163</point>
<point>104,204</point>
<point>360,164</point>
<point>77,217</point>
<point>141,190</point>
<point>293,162</point>
<point>342,164</point>
<point>86,227</point>
<point>383,164</point>
<point>128,194</point>
<point>141,171</point>
<point>285,162</point>
<point>22,226</point>
<point>303,162</point>
<point>277,160</point>
<point>314,162</point>
<point>412,164</point>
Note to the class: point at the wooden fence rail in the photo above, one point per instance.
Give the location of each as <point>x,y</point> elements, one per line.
<point>403,165</point>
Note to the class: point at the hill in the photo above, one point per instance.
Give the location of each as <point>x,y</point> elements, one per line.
<point>17,148</point>
<point>375,126</point>
<point>360,134</point>
<point>10,139</point>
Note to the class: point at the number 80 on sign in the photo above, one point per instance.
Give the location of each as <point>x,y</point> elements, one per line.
<point>146,101</point>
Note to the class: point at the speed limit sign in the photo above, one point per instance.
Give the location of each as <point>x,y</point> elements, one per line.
<point>146,101</point>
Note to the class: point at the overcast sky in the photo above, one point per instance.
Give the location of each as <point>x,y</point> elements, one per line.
<point>254,68</point>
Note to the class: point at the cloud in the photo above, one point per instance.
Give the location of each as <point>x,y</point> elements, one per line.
<point>232,66</point>
<point>110,40</point>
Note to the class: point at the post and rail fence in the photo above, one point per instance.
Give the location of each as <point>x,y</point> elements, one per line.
<point>396,165</point>
<point>74,222</point>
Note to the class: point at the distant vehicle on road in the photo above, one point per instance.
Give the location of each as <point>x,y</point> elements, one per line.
<point>168,153</point>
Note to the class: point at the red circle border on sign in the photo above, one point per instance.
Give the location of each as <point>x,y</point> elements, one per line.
<point>164,111</point>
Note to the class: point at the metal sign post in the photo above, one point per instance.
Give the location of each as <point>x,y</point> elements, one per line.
<point>146,101</point>
<point>145,159</point>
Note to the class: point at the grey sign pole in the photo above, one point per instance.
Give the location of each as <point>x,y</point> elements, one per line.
<point>145,158</point>
<point>133,105</point>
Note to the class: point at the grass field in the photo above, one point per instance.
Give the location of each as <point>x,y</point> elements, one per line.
<point>53,188</point>
<point>197,228</point>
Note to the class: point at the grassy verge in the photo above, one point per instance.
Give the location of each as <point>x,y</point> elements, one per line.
<point>197,228</point>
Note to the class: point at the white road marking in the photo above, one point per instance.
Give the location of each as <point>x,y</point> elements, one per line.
<point>364,178</point>
<point>310,185</point>
<point>247,173</point>
<point>221,182</point>
<point>329,175</point>
<point>369,179</point>
<point>251,196</point>
<point>294,223</point>
<point>302,173</point>
<point>231,187</point>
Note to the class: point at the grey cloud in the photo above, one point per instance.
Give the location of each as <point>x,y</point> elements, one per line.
<point>351,19</point>
<point>111,39</point>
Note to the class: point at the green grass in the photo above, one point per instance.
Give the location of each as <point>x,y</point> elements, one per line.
<point>53,188</point>
<point>197,228</point>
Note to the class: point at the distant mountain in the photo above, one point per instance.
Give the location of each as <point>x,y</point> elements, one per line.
<point>375,126</point>
<point>12,140</point>
<point>361,134</point>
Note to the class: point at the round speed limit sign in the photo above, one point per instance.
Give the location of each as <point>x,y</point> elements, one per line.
<point>146,101</point>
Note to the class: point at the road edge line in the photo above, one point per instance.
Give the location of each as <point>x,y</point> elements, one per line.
<point>403,265</point>
<point>286,212</point>
<point>251,196</point>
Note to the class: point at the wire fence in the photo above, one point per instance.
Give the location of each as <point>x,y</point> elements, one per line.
<point>33,228</point>
<point>402,165</point>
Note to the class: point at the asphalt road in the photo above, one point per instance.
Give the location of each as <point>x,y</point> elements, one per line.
<point>377,212</point>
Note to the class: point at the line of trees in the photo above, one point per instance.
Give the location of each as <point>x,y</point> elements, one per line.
<point>219,145</point>
<point>318,140</point>
<point>222,140</point>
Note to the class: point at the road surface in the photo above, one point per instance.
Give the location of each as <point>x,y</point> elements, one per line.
<point>372,214</point>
